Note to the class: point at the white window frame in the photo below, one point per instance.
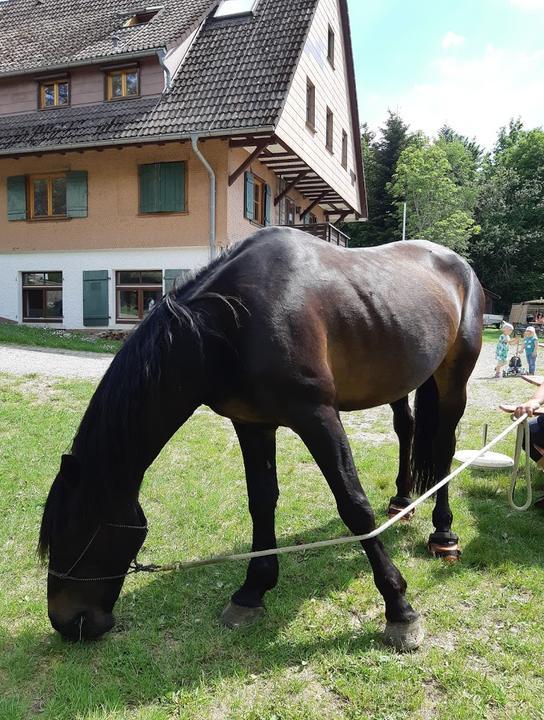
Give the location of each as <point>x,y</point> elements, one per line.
<point>234,8</point>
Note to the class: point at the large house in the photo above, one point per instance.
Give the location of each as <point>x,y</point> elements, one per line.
<point>137,141</point>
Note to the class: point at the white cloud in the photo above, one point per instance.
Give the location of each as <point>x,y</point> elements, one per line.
<point>452,39</point>
<point>476,96</point>
<point>528,4</point>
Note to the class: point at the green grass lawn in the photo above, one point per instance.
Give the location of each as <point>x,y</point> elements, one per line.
<point>317,654</point>
<point>51,338</point>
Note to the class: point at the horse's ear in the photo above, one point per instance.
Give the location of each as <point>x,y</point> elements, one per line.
<point>69,468</point>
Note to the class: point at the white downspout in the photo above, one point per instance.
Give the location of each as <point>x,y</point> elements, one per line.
<point>213,195</point>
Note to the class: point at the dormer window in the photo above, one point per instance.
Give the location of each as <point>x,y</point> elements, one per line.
<point>122,83</point>
<point>230,8</point>
<point>142,17</point>
<point>54,93</point>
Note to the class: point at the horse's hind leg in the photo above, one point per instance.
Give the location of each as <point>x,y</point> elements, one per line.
<point>403,422</point>
<point>322,431</point>
<point>258,446</point>
<point>451,384</point>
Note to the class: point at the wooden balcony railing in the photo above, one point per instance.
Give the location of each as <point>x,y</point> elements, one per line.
<point>326,231</point>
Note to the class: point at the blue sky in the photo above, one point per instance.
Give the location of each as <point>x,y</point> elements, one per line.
<point>471,63</point>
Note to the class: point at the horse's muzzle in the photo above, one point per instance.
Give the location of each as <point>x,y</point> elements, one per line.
<point>88,625</point>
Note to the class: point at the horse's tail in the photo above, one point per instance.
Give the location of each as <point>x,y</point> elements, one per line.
<point>423,461</point>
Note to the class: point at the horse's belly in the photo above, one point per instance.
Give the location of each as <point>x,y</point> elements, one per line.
<point>368,382</point>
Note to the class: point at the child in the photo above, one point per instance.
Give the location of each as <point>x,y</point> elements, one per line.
<point>531,348</point>
<point>501,352</point>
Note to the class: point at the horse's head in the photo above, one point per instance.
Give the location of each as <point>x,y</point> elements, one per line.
<point>89,551</point>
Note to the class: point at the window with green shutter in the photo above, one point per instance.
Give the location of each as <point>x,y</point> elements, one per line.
<point>95,298</point>
<point>257,200</point>
<point>17,205</point>
<point>162,187</point>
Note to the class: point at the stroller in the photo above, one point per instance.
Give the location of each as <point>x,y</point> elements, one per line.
<point>515,368</point>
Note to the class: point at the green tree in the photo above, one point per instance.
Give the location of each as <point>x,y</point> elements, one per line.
<point>436,180</point>
<point>509,254</point>
<point>381,157</point>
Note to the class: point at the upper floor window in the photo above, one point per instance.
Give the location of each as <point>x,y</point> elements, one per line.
<point>47,195</point>
<point>228,8</point>
<point>162,188</point>
<point>344,149</point>
<point>54,93</point>
<point>330,130</point>
<point>330,46</point>
<point>122,83</point>
<point>310,104</point>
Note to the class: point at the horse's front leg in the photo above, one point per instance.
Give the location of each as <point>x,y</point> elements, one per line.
<point>322,431</point>
<point>258,446</point>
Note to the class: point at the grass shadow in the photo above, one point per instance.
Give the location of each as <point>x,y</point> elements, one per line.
<point>168,635</point>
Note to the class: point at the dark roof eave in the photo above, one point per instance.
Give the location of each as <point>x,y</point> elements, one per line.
<point>117,57</point>
<point>137,140</point>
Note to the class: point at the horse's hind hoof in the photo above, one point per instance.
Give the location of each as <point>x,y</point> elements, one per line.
<point>404,637</point>
<point>445,546</point>
<point>236,616</point>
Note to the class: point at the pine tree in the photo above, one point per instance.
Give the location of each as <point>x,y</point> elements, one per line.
<point>381,158</point>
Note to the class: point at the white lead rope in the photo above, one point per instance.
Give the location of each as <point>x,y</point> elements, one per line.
<point>386,525</point>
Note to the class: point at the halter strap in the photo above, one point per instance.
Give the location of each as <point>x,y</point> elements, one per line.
<point>133,567</point>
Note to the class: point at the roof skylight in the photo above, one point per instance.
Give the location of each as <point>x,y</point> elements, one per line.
<point>142,17</point>
<point>228,8</point>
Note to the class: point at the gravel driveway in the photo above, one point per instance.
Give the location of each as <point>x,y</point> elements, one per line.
<point>53,363</point>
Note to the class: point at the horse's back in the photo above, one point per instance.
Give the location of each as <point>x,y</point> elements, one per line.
<point>369,324</point>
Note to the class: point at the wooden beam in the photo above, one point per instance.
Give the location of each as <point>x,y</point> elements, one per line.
<point>290,186</point>
<point>312,205</point>
<point>251,141</point>
<point>233,177</point>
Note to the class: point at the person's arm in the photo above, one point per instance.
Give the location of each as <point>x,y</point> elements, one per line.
<point>531,405</point>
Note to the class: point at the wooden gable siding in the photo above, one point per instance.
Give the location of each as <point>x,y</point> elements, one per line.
<point>20,95</point>
<point>331,91</point>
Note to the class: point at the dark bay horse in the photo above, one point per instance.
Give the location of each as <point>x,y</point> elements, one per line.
<point>282,330</point>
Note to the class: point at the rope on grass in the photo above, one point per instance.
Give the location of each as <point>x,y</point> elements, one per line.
<point>184,565</point>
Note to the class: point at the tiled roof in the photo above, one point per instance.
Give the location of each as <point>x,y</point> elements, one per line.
<point>236,76</point>
<point>38,34</point>
<point>83,124</point>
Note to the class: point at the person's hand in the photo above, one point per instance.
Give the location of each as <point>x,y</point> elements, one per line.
<point>527,408</point>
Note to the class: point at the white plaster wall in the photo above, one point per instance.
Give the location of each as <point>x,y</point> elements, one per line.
<point>332,91</point>
<point>72,265</point>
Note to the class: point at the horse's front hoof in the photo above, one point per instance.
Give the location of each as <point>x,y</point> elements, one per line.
<point>404,637</point>
<point>394,510</point>
<point>445,546</point>
<point>237,616</point>
<point>396,505</point>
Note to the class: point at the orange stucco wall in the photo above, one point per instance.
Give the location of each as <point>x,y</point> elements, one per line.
<point>113,221</point>
<point>237,225</point>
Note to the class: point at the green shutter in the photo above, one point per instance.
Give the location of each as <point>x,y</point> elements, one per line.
<point>16,197</point>
<point>249,210</point>
<point>76,194</point>
<point>267,204</point>
<point>172,187</point>
<point>95,298</point>
<point>149,187</point>
<point>170,277</point>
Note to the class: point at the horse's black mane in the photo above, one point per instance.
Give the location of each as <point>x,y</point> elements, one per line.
<point>128,390</point>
